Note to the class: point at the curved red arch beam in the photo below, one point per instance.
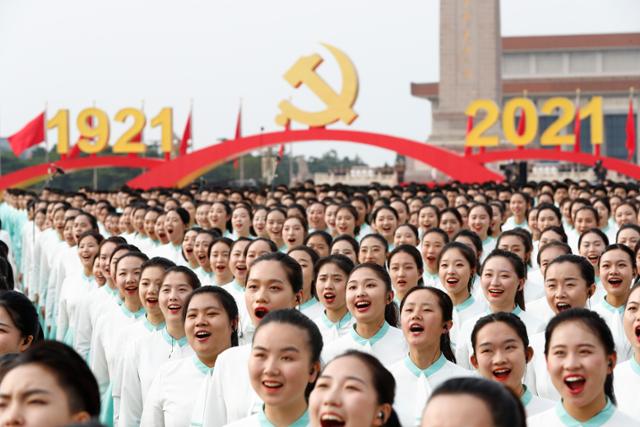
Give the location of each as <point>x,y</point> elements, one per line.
<point>183,170</point>
<point>34,174</point>
<point>620,166</point>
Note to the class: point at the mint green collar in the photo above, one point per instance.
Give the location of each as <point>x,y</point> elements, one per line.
<point>300,422</point>
<point>339,324</point>
<point>236,286</point>
<point>517,311</point>
<point>129,313</point>
<point>201,366</point>
<point>435,366</point>
<point>374,339</point>
<point>635,365</point>
<point>611,308</point>
<point>599,419</point>
<point>526,397</point>
<point>151,327</point>
<point>466,303</point>
<point>308,304</point>
<point>170,340</point>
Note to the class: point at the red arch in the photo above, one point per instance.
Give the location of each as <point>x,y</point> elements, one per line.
<point>625,168</point>
<point>34,174</point>
<point>182,170</point>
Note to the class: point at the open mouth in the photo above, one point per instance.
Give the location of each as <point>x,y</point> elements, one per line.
<point>222,267</point>
<point>416,328</point>
<point>562,306</point>
<point>131,290</point>
<point>272,386</point>
<point>291,240</point>
<point>329,297</point>
<point>575,383</point>
<point>615,282</point>
<point>501,374</point>
<point>202,335</point>
<point>174,308</point>
<point>401,283</point>
<point>362,306</point>
<point>495,292</point>
<point>152,301</point>
<point>331,420</point>
<point>260,312</point>
<point>169,230</point>
<point>452,282</point>
<point>593,259</point>
<point>637,332</point>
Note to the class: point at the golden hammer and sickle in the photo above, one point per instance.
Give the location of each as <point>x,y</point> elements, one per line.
<point>338,104</point>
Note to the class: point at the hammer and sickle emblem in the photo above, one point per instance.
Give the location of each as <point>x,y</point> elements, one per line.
<point>338,104</point>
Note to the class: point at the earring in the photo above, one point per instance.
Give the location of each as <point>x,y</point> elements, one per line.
<point>381,415</point>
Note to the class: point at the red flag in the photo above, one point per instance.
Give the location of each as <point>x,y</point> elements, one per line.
<point>576,131</point>
<point>467,150</point>
<point>522,123</point>
<point>186,136</point>
<point>631,131</point>
<point>236,161</point>
<point>280,152</point>
<point>31,134</point>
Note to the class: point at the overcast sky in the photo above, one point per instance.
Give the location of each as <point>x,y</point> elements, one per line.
<point>119,53</point>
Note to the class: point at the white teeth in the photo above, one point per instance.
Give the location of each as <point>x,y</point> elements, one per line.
<point>330,417</point>
<point>573,379</point>
<point>501,371</point>
<point>271,384</point>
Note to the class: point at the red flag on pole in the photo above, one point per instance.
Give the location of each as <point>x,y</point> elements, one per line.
<point>281,152</point>
<point>467,150</point>
<point>631,131</point>
<point>576,126</point>
<point>186,136</point>
<point>31,134</point>
<point>238,135</point>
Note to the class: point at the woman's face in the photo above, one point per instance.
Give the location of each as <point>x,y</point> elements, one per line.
<point>367,296</point>
<point>275,222</point>
<point>500,281</point>
<point>315,216</point>
<point>578,364</point>
<point>548,237</point>
<point>161,233</point>
<point>11,339</point>
<point>202,212</point>
<point>237,261</point>
<point>432,244</point>
<point>330,215</point>
<point>31,396</point>
<point>268,288</point>
<point>97,273</point>
<point>345,392</point>
<point>201,249</point>
<point>514,244</point>
<point>138,220</point>
<point>87,251</point>
<point>565,288</point>
<point>306,264</point>
<point>629,237</point>
<point>591,247</point>
<point>218,216</point>
<point>469,412</point>
<point>547,218</point>
<point>427,218</point>
<point>256,249</point>
<point>624,214</point>
<point>189,244</point>
<point>149,289</point>
<point>386,223</point>
<point>421,320</point>
<point>616,272</point>
<point>173,293</point>
<point>345,222</point>
<point>479,221</point>
<point>455,272</point>
<point>219,258</point>
<point>631,320</point>
<point>150,224</point>
<point>280,366</point>
<point>500,355</point>
<point>517,205</point>
<point>260,222</point>
<point>331,286</point>
<point>128,277</point>
<point>401,209</point>
<point>241,220</point>
<point>404,273</point>
<point>318,244</point>
<point>207,325</point>
<point>404,236</point>
<point>343,247</point>
<point>603,213</point>
<point>174,227</point>
<point>67,233</point>
<point>80,225</point>
<point>293,232</point>
<point>450,224</point>
<point>585,220</point>
<point>372,250</point>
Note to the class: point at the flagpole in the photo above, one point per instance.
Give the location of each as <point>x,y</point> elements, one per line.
<point>46,136</point>
<point>191,126</point>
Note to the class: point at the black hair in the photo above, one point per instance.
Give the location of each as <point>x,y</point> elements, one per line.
<point>320,233</point>
<point>518,266</point>
<point>597,232</point>
<point>596,325</point>
<point>225,299</point>
<point>446,307</point>
<point>586,269</point>
<point>92,220</point>
<point>380,238</point>
<point>633,227</point>
<point>488,211</point>
<point>413,229</point>
<point>346,238</point>
<point>390,310</point>
<point>269,242</point>
<point>437,212</point>
<point>192,278</point>
<point>157,261</point>
<point>413,253</point>
<point>471,235</point>
<point>224,240</point>
<point>452,211</point>
<point>554,244</point>
<point>383,382</point>
<point>505,408</point>
<point>314,258</point>
<point>510,319</point>
<point>439,231</point>
<point>290,266</point>
<point>390,208</point>
<point>524,238</point>
<point>551,207</point>
<point>303,222</point>
<point>124,246</point>
<point>467,254</point>
<point>297,319</point>
<point>559,230</point>
<point>71,372</point>
<point>354,212</point>
<point>144,258</point>
<point>97,236</point>
<point>623,248</point>
<point>23,314</point>
<point>590,209</point>
<point>342,262</point>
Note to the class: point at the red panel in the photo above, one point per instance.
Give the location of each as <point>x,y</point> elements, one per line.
<point>191,166</point>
